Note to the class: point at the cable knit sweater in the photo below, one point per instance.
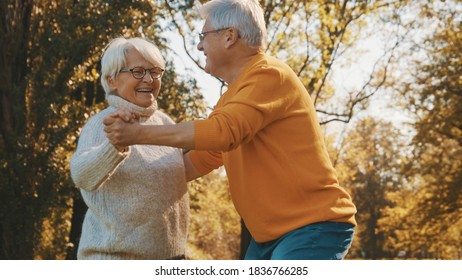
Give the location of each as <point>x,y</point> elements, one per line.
<point>138,205</point>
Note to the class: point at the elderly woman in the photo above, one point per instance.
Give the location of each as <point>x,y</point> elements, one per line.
<point>136,196</point>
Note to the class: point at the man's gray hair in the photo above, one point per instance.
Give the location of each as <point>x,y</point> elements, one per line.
<point>246,16</point>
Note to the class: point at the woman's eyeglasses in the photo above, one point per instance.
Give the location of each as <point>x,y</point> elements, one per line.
<point>140,72</point>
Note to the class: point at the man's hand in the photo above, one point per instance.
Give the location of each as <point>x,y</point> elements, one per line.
<point>122,128</point>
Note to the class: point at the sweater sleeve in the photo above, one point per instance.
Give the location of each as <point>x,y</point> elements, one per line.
<point>95,159</point>
<point>206,161</point>
<point>255,101</point>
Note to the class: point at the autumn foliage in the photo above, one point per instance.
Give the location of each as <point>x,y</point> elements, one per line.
<point>405,175</point>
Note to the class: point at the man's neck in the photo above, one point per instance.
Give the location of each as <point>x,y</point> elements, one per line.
<point>238,64</point>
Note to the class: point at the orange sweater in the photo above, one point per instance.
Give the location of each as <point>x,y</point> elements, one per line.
<point>265,131</point>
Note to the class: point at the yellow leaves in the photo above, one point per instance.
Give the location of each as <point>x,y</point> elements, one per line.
<point>215,225</point>
<point>94,73</point>
<point>427,195</point>
<point>85,72</point>
<point>52,228</point>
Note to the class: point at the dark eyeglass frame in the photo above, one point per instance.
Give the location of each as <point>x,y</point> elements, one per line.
<point>155,73</point>
<point>203,34</point>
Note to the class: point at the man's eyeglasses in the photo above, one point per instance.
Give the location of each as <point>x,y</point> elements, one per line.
<point>140,72</point>
<point>203,34</point>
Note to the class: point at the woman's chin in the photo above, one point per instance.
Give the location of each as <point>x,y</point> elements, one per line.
<point>145,101</point>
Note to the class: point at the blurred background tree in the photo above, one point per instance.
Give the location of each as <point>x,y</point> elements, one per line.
<point>368,166</point>
<point>215,225</point>
<point>311,37</point>
<point>405,176</point>
<point>426,221</point>
<point>49,86</point>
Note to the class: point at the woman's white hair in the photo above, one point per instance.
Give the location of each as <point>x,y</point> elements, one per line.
<point>114,57</point>
<point>244,15</point>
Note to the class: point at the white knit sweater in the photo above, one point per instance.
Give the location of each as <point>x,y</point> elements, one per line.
<point>138,205</point>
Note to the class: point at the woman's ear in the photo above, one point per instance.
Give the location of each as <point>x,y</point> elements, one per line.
<point>112,84</point>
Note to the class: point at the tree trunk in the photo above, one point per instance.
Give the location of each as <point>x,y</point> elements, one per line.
<point>17,211</point>
<point>78,214</point>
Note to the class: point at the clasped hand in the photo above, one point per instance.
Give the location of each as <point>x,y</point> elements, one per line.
<point>121,128</point>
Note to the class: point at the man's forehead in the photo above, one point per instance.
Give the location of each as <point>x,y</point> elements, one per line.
<point>206,25</point>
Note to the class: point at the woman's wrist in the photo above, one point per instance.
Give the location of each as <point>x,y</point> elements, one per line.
<point>122,149</point>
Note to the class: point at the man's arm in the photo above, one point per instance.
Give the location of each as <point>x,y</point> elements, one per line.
<point>121,132</point>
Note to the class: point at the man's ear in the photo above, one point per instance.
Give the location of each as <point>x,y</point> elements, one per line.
<point>231,37</point>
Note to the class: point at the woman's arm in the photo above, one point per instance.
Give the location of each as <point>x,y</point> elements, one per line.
<point>95,158</point>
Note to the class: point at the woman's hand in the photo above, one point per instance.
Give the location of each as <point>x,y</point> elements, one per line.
<point>122,128</point>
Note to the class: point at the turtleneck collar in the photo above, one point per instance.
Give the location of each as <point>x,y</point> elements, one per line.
<point>121,103</point>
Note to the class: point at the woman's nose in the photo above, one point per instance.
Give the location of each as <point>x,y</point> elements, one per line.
<point>148,78</point>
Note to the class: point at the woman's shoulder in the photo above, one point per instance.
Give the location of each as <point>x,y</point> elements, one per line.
<point>97,119</point>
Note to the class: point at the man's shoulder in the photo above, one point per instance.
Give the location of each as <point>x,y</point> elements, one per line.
<point>265,61</point>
